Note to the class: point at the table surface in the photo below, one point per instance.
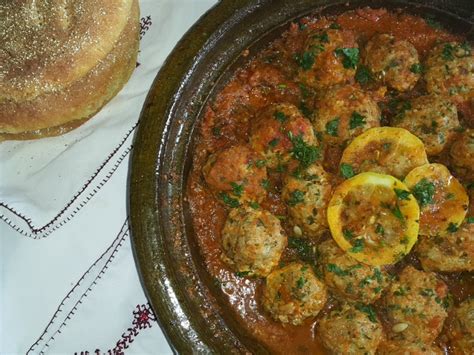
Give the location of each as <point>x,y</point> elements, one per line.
<point>68,280</point>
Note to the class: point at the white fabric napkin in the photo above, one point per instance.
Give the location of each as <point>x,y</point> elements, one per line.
<point>68,282</point>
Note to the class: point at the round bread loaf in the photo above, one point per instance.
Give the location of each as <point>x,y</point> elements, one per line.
<point>61,61</point>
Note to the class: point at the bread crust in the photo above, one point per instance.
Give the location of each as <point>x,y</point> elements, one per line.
<point>56,112</point>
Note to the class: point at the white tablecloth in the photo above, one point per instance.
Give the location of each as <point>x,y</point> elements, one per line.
<point>68,281</point>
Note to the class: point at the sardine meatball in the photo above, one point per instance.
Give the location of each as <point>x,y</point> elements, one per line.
<point>416,306</point>
<point>276,130</point>
<point>330,57</point>
<point>461,331</point>
<point>307,196</point>
<point>347,277</point>
<point>253,241</point>
<point>462,156</point>
<point>351,330</point>
<point>400,347</point>
<point>394,62</point>
<point>431,118</point>
<point>452,253</point>
<point>342,113</point>
<point>450,70</point>
<point>293,293</point>
<point>237,173</point>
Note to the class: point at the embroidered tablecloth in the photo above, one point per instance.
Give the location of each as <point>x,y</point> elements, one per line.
<point>68,281</point>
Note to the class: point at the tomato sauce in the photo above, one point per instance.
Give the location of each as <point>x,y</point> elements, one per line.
<point>270,77</point>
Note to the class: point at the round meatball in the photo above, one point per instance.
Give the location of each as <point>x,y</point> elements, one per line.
<point>330,57</point>
<point>293,293</point>
<point>394,62</point>
<point>462,155</point>
<point>236,173</point>
<point>276,131</point>
<point>253,241</point>
<point>416,306</point>
<point>398,347</point>
<point>431,118</point>
<point>347,277</point>
<point>351,330</point>
<point>307,196</point>
<point>450,70</point>
<point>461,331</point>
<point>343,113</point>
<point>452,253</point>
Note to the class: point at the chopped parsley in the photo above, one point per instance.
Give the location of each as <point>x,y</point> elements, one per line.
<point>379,229</point>
<point>350,57</point>
<point>280,116</point>
<point>260,163</point>
<point>237,189</point>
<point>335,26</point>
<point>323,38</point>
<point>358,246</point>
<point>273,142</point>
<point>300,282</point>
<point>296,197</point>
<point>242,273</point>
<point>336,270</point>
<point>254,205</point>
<point>356,120</point>
<point>397,213</point>
<point>424,192</point>
<point>265,184</point>
<point>402,194</point>
<point>302,247</point>
<point>452,227</point>
<point>216,131</point>
<point>447,53</point>
<point>417,68</point>
<point>229,201</point>
<point>305,60</point>
<point>430,21</point>
<point>348,234</point>
<point>346,171</point>
<point>363,75</point>
<point>306,154</point>
<point>332,127</point>
<point>368,310</point>
<point>470,220</point>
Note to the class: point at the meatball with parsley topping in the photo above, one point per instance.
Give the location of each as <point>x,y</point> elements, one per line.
<point>461,331</point>
<point>307,196</point>
<point>277,130</point>
<point>293,293</point>
<point>462,156</point>
<point>394,62</point>
<point>347,277</point>
<point>330,57</point>
<point>342,113</point>
<point>452,253</point>
<point>450,70</point>
<point>236,174</point>
<point>431,118</point>
<point>253,241</point>
<point>416,306</point>
<point>351,329</point>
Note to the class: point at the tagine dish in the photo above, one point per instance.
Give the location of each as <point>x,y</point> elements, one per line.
<point>332,187</point>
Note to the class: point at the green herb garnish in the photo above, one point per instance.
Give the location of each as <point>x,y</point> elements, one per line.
<point>229,201</point>
<point>332,127</point>
<point>424,192</point>
<point>368,310</point>
<point>402,194</point>
<point>350,57</point>
<point>363,75</point>
<point>296,197</point>
<point>346,171</point>
<point>280,116</point>
<point>356,120</point>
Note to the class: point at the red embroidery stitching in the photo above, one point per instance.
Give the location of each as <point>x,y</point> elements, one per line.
<point>143,318</point>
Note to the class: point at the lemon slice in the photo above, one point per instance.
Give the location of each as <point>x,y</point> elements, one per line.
<point>374,218</point>
<point>443,200</point>
<point>386,150</point>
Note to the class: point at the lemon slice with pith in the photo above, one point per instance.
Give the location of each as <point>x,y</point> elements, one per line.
<point>374,218</point>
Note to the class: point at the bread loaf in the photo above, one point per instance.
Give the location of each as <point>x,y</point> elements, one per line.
<point>61,61</point>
